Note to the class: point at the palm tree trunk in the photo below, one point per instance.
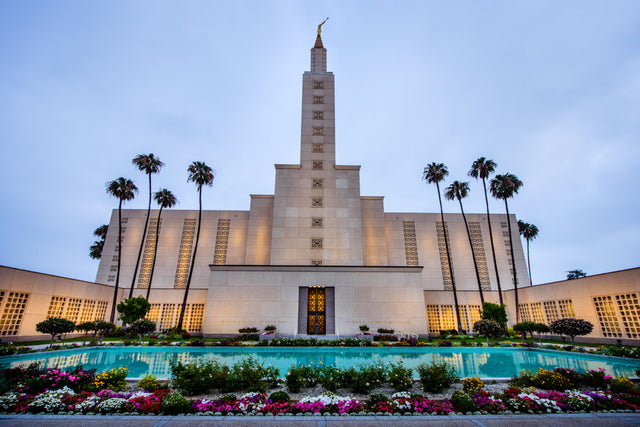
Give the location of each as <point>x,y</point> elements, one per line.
<point>513,264</point>
<point>446,245</point>
<point>115,290</point>
<point>155,252</point>
<point>529,264</point>
<point>493,248</point>
<point>473,254</point>
<point>144,233</point>
<point>193,261</point>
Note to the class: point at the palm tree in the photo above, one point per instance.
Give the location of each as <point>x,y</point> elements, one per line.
<point>433,174</point>
<point>165,199</point>
<point>483,168</point>
<point>459,190</point>
<point>200,174</point>
<point>504,187</point>
<point>95,250</point>
<point>529,232</point>
<point>149,164</point>
<point>125,190</point>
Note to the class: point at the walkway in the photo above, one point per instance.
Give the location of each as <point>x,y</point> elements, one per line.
<point>560,420</point>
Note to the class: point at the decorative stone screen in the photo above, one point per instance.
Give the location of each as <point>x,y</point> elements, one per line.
<point>318,85</point>
<point>630,313</point>
<point>73,309</point>
<point>317,148</point>
<point>525,313</point>
<point>318,99</point>
<point>316,243</point>
<point>317,165</point>
<point>607,316</point>
<point>167,315</point>
<point>101,310</point>
<point>222,241</point>
<point>116,256</point>
<point>317,183</point>
<point>88,310</point>
<point>316,222</point>
<point>196,317</point>
<point>410,244</point>
<point>551,311</point>
<point>433,318</point>
<point>536,311</point>
<point>56,307</point>
<point>478,251</point>
<point>445,262</point>
<point>184,255</point>
<point>318,115</point>
<point>566,308</point>
<point>147,256</point>
<point>15,305</point>
<point>316,202</point>
<point>318,131</point>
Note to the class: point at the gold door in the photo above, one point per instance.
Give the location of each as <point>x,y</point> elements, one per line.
<point>316,308</point>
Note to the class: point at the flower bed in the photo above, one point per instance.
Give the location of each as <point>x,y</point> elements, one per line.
<point>33,390</point>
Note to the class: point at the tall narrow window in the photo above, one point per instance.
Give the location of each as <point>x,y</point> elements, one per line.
<point>410,244</point>
<point>318,115</point>
<point>318,85</point>
<point>184,254</point>
<point>318,131</point>
<point>222,242</point>
<point>317,165</point>
<point>445,262</point>
<point>317,148</point>
<point>316,202</point>
<point>318,99</point>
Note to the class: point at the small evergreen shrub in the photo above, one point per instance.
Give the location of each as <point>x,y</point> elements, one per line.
<point>621,385</point>
<point>279,396</point>
<point>113,379</point>
<point>229,398</point>
<point>330,378</point>
<point>462,402</point>
<point>150,383</point>
<point>385,331</point>
<point>376,398</point>
<point>175,404</point>
<point>436,377</point>
<point>400,378</point>
<point>300,376</point>
<point>472,385</point>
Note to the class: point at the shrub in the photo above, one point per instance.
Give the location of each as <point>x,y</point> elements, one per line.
<point>366,379</point>
<point>229,398</point>
<point>571,327</point>
<point>113,379</point>
<point>133,309</point>
<point>270,328</point>
<point>445,343</point>
<point>550,380</point>
<point>142,327</point>
<point>249,330</point>
<point>525,328</point>
<point>385,331</point>
<point>330,378</point>
<point>363,328</point>
<point>249,375</point>
<point>525,379</point>
<point>300,376</point>
<point>55,326</point>
<point>195,378</point>
<point>487,327</point>
<point>495,312</point>
<point>279,396</point>
<point>472,384</point>
<point>436,377</point>
<point>462,402</point>
<point>376,398</point>
<point>385,337</point>
<point>596,378</point>
<point>150,383</point>
<point>175,404</point>
<point>621,385</point>
<point>400,378</point>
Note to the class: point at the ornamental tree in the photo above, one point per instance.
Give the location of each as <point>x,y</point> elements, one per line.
<point>133,309</point>
<point>55,326</point>
<point>488,328</point>
<point>495,312</point>
<point>142,327</point>
<point>524,328</point>
<point>571,327</point>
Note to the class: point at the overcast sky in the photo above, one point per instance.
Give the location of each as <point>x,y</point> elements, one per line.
<point>549,90</point>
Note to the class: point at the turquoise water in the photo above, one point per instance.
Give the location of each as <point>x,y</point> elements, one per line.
<point>482,362</point>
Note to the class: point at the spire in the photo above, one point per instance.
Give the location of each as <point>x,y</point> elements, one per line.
<point>318,44</point>
<point>319,53</point>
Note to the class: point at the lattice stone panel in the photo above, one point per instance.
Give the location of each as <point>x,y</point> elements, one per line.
<point>433,318</point>
<point>88,308</point>
<point>14,308</point>
<point>551,310</point>
<point>184,255</point>
<point>447,319</point>
<point>154,314</point>
<point>317,183</point>
<point>316,222</point>
<point>101,310</point>
<point>525,313</point>
<point>169,317</point>
<point>318,131</point>
<point>536,310</point>
<point>410,243</point>
<point>481,258</point>
<point>317,148</point>
<point>566,308</point>
<point>630,312</point>
<point>222,242</point>
<point>318,115</point>
<point>316,202</point>
<point>316,243</point>
<point>73,309</point>
<point>607,316</point>
<point>464,317</point>
<point>149,250</point>
<point>317,165</point>
<point>196,318</point>
<point>56,307</point>
<point>445,263</point>
<point>474,315</point>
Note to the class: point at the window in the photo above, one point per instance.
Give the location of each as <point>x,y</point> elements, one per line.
<point>410,245</point>
<point>318,85</point>
<point>317,148</point>
<point>316,202</point>
<point>14,308</point>
<point>318,115</point>
<point>607,316</point>
<point>316,222</point>
<point>318,131</point>
<point>317,183</point>
<point>318,99</point>
<point>317,165</point>
<point>56,307</point>
<point>316,243</point>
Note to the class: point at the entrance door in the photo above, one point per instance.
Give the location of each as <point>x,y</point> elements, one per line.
<point>316,311</point>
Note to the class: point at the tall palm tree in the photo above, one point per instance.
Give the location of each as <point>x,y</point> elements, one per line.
<point>95,250</point>
<point>529,232</point>
<point>200,174</point>
<point>459,190</point>
<point>149,164</point>
<point>433,174</point>
<point>504,187</point>
<point>124,190</point>
<point>165,199</point>
<point>483,168</point>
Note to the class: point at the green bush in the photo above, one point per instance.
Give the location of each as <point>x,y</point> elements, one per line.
<point>150,383</point>
<point>330,377</point>
<point>400,378</point>
<point>462,402</point>
<point>621,385</point>
<point>229,398</point>
<point>376,398</point>
<point>366,379</point>
<point>199,378</point>
<point>436,377</point>
<point>175,404</point>
<point>249,375</point>
<point>279,396</point>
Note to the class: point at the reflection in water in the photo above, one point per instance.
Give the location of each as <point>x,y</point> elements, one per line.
<point>491,362</point>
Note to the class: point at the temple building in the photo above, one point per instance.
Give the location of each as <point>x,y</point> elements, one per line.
<point>317,257</point>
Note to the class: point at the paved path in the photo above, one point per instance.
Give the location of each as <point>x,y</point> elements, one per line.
<point>560,420</point>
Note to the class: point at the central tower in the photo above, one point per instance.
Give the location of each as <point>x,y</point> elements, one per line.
<point>317,218</point>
